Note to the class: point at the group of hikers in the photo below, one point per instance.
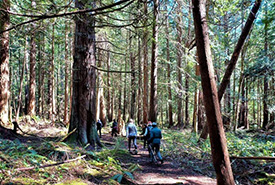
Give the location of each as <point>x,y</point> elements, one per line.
<point>151,135</point>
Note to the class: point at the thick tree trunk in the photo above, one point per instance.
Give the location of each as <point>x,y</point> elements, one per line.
<point>219,150</point>
<point>154,65</point>
<point>83,116</point>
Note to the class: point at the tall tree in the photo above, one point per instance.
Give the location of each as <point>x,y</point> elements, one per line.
<point>219,150</point>
<point>237,50</point>
<point>32,89</point>
<point>133,80</point>
<point>265,107</point>
<point>179,62</point>
<point>145,65</point>
<point>83,116</point>
<point>4,61</point>
<point>154,65</point>
<point>169,89</point>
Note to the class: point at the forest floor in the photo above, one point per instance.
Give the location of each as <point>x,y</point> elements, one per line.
<point>25,159</point>
<point>170,172</point>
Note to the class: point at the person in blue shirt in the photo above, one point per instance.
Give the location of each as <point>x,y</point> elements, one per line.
<point>131,134</point>
<point>154,140</point>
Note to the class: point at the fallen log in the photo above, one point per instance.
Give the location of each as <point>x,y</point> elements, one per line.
<point>50,165</point>
<point>254,158</point>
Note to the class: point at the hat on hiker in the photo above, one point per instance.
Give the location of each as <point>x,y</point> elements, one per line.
<point>149,123</point>
<point>154,124</point>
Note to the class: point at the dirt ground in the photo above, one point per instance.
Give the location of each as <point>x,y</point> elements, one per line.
<point>167,173</point>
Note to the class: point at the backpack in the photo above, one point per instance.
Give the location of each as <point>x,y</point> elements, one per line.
<point>148,131</point>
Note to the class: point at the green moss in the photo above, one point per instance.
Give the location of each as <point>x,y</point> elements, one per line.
<point>24,180</point>
<point>74,182</point>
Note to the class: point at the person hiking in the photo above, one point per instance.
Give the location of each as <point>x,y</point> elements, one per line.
<point>99,127</point>
<point>155,137</point>
<point>146,133</point>
<point>114,128</point>
<point>131,134</point>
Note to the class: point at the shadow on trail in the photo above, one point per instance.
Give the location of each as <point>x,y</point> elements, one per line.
<point>170,172</point>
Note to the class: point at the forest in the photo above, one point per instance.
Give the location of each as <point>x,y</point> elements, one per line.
<point>201,70</point>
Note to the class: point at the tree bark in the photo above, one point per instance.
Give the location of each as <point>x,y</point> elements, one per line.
<point>21,83</point>
<point>139,112</point>
<point>145,66</point>
<point>32,89</point>
<point>154,65</point>
<point>66,98</point>
<point>4,61</point>
<point>170,108</point>
<point>133,81</point>
<point>265,101</point>
<point>219,150</point>
<point>109,97</point>
<point>83,116</point>
<point>179,62</point>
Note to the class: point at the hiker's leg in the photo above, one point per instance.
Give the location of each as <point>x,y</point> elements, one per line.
<point>129,143</point>
<point>157,146</point>
<point>135,141</point>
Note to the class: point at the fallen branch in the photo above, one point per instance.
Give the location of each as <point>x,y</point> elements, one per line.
<point>254,158</point>
<point>50,165</point>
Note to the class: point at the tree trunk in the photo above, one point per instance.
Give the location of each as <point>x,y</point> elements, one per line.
<point>219,150</point>
<point>179,61</point>
<point>238,48</point>
<point>66,98</point>
<point>31,107</point>
<point>83,116</point>
<point>41,78</point>
<point>21,83</point>
<point>170,108</point>
<point>109,98</point>
<point>265,107</point>
<point>133,81</point>
<point>154,65</point>
<point>145,66</point>
<point>139,113</point>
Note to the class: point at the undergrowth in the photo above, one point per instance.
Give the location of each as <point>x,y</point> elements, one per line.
<point>29,163</point>
<point>183,148</point>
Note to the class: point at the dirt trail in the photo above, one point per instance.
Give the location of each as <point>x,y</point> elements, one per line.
<point>167,173</point>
